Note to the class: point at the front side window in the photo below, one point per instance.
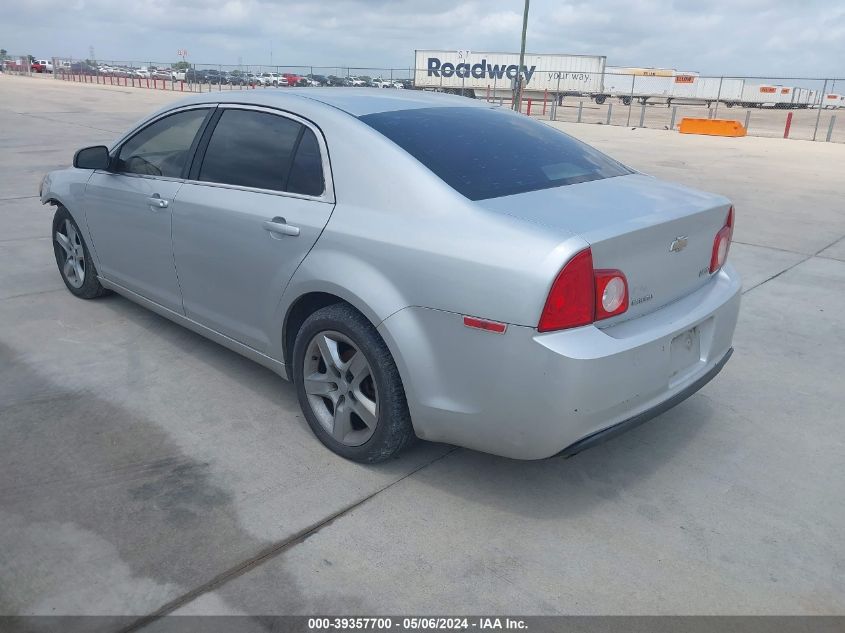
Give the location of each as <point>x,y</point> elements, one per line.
<point>488,153</point>
<point>161,148</point>
<point>264,151</point>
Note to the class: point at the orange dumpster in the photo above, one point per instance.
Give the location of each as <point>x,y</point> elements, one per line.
<point>711,127</point>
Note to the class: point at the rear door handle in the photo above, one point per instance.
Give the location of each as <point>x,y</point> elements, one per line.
<point>156,202</point>
<point>279,226</point>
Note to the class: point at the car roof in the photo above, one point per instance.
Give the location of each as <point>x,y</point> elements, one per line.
<point>354,101</point>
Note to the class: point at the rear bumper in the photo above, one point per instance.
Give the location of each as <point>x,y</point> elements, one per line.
<point>617,429</point>
<point>528,395</point>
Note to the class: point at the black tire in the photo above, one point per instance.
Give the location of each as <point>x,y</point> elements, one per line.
<point>600,99</point>
<point>393,430</point>
<point>90,288</point>
<point>626,100</point>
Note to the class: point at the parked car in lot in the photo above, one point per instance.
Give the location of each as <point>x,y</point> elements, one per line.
<point>196,76</point>
<point>42,66</point>
<point>295,80</point>
<point>215,77</point>
<point>241,78</point>
<point>273,79</point>
<point>356,82</point>
<point>526,295</point>
<point>14,65</point>
<point>81,68</point>
<point>317,80</point>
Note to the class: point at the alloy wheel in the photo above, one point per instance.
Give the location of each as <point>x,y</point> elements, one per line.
<point>341,389</point>
<point>70,243</point>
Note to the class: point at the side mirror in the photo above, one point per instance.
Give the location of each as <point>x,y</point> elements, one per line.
<point>96,157</point>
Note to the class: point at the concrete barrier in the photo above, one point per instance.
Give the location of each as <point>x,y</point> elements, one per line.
<point>711,127</point>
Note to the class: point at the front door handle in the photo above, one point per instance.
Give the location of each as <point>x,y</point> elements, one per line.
<point>279,226</point>
<point>156,202</point>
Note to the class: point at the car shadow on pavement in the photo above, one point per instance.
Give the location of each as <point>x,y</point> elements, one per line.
<point>561,488</point>
<point>194,347</point>
<point>205,354</point>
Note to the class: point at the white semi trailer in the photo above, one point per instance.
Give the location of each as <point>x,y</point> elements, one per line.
<point>832,100</point>
<point>755,95</point>
<point>657,85</point>
<point>494,75</point>
<point>664,85</point>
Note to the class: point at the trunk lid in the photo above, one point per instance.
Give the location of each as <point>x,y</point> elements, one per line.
<point>631,223</point>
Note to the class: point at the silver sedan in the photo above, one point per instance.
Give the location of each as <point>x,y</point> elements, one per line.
<point>420,265</point>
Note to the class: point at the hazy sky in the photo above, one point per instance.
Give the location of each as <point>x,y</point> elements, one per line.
<point>754,37</point>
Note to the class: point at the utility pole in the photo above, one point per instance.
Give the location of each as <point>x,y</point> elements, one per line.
<point>517,102</point>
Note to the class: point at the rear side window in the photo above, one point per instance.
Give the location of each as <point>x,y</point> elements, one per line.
<point>161,148</point>
<point>250,149</point>
<point>306,172</point>
<point>488,153</point>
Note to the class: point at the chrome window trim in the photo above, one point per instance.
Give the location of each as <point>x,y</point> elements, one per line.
<point>147,176</point>
<point>328,183</point>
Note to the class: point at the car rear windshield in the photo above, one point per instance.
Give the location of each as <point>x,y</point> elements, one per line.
<point>488,153</point>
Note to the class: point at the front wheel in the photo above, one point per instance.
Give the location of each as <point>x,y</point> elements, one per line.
<point>349,387</point>
<point>73,258</point>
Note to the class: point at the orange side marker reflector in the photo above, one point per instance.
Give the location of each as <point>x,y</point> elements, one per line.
<point>483,324</point>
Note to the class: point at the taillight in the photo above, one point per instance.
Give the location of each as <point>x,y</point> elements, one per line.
<point>611,293</point>
<point>581,295</point>
<point>722,243</point>
<point>571,300</point>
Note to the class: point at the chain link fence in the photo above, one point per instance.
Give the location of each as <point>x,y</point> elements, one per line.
<point>796,108</point>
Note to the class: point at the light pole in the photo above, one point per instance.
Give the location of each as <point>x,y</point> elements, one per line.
<point>517,102</point>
